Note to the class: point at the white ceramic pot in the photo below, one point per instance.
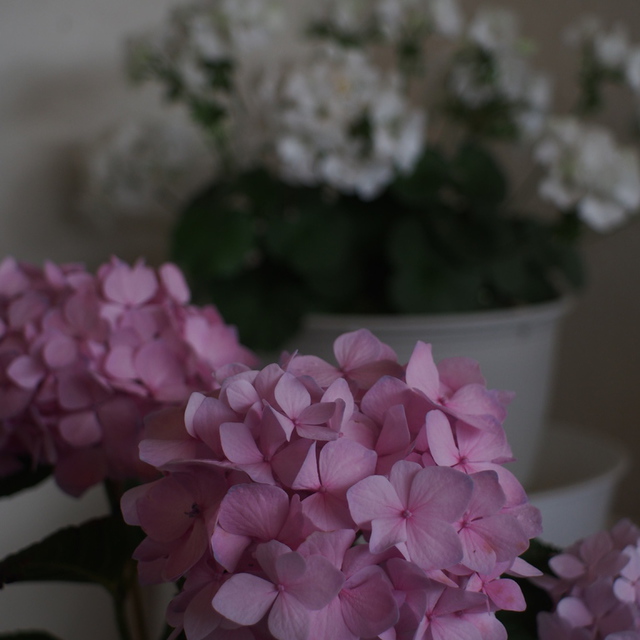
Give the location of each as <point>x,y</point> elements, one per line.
<point>574,483</point>
<point>515,348</point>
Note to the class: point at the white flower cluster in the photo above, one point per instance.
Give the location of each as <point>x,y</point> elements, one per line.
<point>496,70</point>
<point>344,123</point>
<point>588,171</point>
<point>143,169</point>
<point>401,17</point>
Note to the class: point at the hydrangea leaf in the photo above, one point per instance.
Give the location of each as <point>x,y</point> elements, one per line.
<point>94,552</point>
<point>23,479</point>
<point>478,176</point>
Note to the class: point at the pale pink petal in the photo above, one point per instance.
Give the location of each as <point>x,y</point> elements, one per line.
<point>317,586</point>
<point>238,444</point>
<point>317,413</point>
<point>343,462</point>
<point>575,611</point>
<point>26,372</point>
<point>401,477</point>
<point>130,285</point>
<point>332,545</point>
<point>291,395</point>
<point>60,351</point>
<point>395,432</point>
<point>289,619</point>
<point>440,491</point>
<point>327,512</point>
<point>320,370</point>
<point>432,543</point>
<point>368,604</point>
<point>442,445</point>
<point>459,371</point>
<point>228,547</point>
<point>308,477</point>
<point>387,532</point>
<point>119,362</point>
<point>356,348</point>
<point>174,282</point>
<point>372,498</point>
<point>422,373</point>
<point>506,594</point>
<point>245,598</point>
<point>241,395</point>
<point>254,510</point>
<point>81,429</point>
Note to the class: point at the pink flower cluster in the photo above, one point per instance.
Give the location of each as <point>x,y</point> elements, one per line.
<point>596,588</point>
<point>307,501</point>
<point>84,357</point>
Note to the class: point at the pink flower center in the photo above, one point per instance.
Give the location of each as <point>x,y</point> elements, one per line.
<point>406,513</point>
<point>195,511</point>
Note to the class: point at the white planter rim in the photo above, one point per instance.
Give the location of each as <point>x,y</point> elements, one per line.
<point>542,313</point>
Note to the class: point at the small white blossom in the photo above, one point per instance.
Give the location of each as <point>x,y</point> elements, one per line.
<point>494,29</point>
<point>347,119</point>
<point>587,170</point>
<point>143,169</point>
<point>632,69</point>
<point>398,18</point>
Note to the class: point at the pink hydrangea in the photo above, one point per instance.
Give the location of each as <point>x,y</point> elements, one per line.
<point>595,588</point>
<point>334,509</point>
<point>83,358</point>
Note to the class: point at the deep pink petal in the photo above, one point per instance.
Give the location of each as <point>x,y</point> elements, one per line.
<point>308,477</point>
<point>188,552</point>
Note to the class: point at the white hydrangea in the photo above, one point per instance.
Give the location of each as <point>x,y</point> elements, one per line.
<point>398,17</point>
<point>496,44</point>
<point>494,29</point>
<point>588,171</point>
<point>610,48</point>
<point>143,169</point>
<point>344,122</point>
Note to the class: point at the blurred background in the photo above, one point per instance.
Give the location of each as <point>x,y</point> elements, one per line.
<point>62,82</point>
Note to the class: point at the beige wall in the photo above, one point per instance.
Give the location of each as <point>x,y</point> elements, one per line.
<point>61,82</point>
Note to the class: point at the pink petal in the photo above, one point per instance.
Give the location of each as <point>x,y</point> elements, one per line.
<point>291,395</point>
<point>119,363</point>
<point>317,413</point>
<point>506,594</point>
<point>387,532</point>
<point>174,282</point>
<point>228,548</point>
<point>244,598</point>
<point>317,586</point>
<point>254,510</point>
<point>308,477</point>
<point>332,545</point>
<point>432,543</point>
<point>459,371</point>
<point>372,498</point>
<point>188,552</point>
<point>26,372</point>
<point>356,348</point>
<point>574,611</point>
<point>241,395</point>
<point>130,285</point>
<point>343,462</point>
<point>422,373</point>
<point>81,429</point>
<point>368,604</point>
<point>322,372</point>
<point>442,445</point>
<point>440,491</point>
<point>395,432</point>
<point>289,619</point>
<point>327,512</point>
<point>60,351</point>
<point>238,443</point>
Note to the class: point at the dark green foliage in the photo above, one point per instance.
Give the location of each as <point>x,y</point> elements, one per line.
<point>24,479</point>
<point>521,625</point>
<point>94,552</point>
<point>438,240</point>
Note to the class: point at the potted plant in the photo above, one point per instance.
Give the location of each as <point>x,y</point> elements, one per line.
<point>363,170</point>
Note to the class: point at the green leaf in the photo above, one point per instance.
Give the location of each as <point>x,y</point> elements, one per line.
<point>98,551</point>
<point>23,480</point>
<point>28,635</point>
<point>422,186</point>
<point>215,234</point>
<point>478,176</point>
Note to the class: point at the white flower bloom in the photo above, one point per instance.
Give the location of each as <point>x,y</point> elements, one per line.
<point>494,29</point>
<point>143,169</point>
<point>632,69</point>
<point>399,17</point>
<point>612,48</point>
<point>587,170</point>
<point>351,119</point>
